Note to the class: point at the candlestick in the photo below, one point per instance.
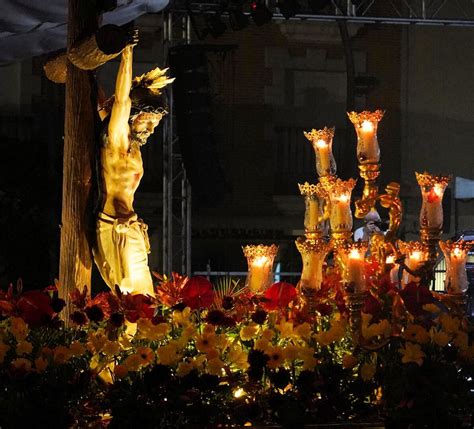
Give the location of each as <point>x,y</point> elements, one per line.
<point>314,196</point>
<point>365,124</point>
<point>416,255</point>
<point>260,262</point>
<point>351,258</point>
<point>313,254</point>
<point>456,253</point>
<point>394,269</point>
<point>321,141</point>
<point>432,191</point>
<point>339,192</point>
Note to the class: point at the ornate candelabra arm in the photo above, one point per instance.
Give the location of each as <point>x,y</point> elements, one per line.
<point>370,173</point>
<point>391,201</point>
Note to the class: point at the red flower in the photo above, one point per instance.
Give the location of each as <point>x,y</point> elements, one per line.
<point>279,295</point>
<point>169,290</point>
<point>415,297</point>
<point>108,303</point>
<point>34,307</point>
<point>137,307</point>
<point>197,293</point>
<point>372,306</point>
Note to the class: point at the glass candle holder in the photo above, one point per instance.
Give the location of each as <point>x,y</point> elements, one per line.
<point>416,255</point>
<point>432,191</point>
<point>313,253</point>
<point>322,145</point>
<point>260,263</point>
<point>339,192</point>
<point>314,209</point>
<point>366,124</point>
<point>392,268</point>
<point>456,281</point>
<point>352,258</point>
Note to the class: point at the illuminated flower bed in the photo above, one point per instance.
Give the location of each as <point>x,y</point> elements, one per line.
<point>202,355</point>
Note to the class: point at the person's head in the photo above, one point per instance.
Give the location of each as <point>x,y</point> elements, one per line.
<point>372,221</point>
<point>143,124</point>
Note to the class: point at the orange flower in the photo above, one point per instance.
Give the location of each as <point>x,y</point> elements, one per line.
<point>146,355</point>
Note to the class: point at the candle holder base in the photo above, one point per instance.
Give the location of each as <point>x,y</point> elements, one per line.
<point>309,298</point>
<point>430,238</point>
<point>355,303</point>
<point>340,239</point>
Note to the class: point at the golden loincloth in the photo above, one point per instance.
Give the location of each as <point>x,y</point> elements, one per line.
<point>121,253</point>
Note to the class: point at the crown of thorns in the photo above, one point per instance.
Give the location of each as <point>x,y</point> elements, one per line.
<point>145,92</point>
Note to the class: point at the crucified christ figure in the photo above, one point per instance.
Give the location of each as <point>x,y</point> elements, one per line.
<point>122,246</point>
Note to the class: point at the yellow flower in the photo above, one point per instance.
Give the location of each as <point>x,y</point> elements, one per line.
<point>3,351</point>
<point>412,353</point>
<point>215,366</point>
<point>182,318</point>
<point>367,371</point>
<point>149,331</point>
<point>338,330</point>
<point>61,355</point>
<point>276,356</point>
<point>146,355</point>
<point>41,364</point>
<point>76,349</point>
<point>440,338</point>
<point>376,329</point>
<point>168,355</point>
<point>222,342</point>
<point>303,331</point>
<point>22,363</point>
<point>237,357</point>
<point>349,361</point>
<point>184,368</point>
<point>132,362</point>
<point>268,334</point>
<point>285,328</point>
<point>309,362</point>
<point>111,348</point>
<point>416,333</point>
<point>24,348</point>
<point>205,342</point>
<point>291,352</point>
<point>18,328</point>
<point>261,344</point>
<point>188,332</point>
<point>248,332</point>
<point>212,354</point>
<point>120,371</point>
<point>125,342</point>
<point>323,338</point>
<point>209,329</point>
<point>449,323</point>
<point>96,340</point>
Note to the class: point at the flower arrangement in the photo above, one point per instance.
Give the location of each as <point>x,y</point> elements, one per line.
<point>203,355</point>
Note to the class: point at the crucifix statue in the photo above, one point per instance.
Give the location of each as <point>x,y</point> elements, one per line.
<point>129,117</point>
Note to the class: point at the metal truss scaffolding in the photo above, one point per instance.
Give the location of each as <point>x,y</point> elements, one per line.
<point>403,12</point>
<point>176,187</point>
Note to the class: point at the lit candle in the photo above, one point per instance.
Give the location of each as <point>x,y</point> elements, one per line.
<point>356,270</point>
<point>456,281</point>
<point>432,191</point>
<point>260,262</point>
<point>340,208</point>
<point>321,141</point>
<point>366,123</point>
<point>394,269</point>
<point>259,270</point>
<point>313,254</point>
<point>416,255</point>
<point>314,206</point>
<point>322,149</point>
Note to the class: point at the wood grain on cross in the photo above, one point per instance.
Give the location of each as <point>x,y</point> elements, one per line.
<point>79,141</point>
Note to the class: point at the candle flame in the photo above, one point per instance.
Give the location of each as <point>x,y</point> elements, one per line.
<point>390,259</point>
<point>457,252</point>
<point>238,393</point>
<point>355,254</point>
<point>438,190</point>
<point>416,255</point>
<point>321,144</point>
<point>367,126</point>
<point>260,261</point>
<point>343,198</point>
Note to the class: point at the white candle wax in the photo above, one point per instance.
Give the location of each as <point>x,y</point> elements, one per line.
<point>324,156</point>
<point>356,270</point>
<point>259,271</point>
<point>341,217</point>
<point>368,147</point>
<point>456,274</point>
